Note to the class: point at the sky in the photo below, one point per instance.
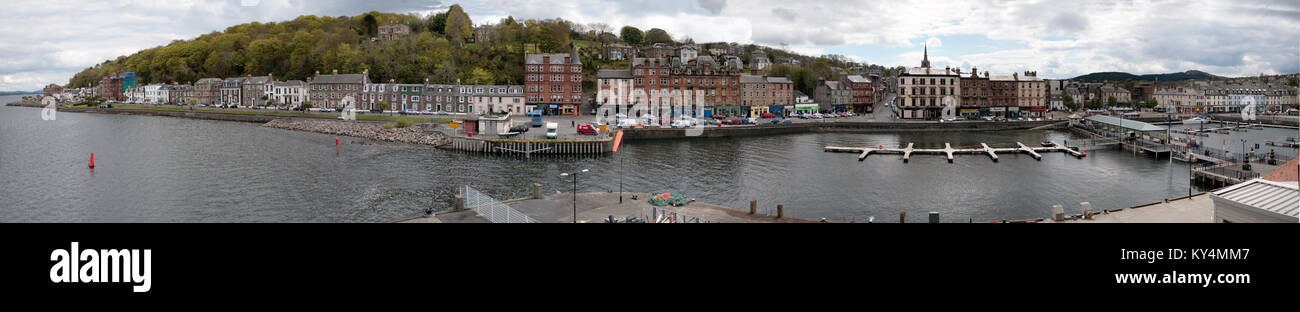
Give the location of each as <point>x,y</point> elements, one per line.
<point>44,42</point>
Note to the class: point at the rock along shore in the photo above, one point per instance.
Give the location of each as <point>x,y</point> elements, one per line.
<point>367,130</point>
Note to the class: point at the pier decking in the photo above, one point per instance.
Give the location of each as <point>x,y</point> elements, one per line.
<point>948,151</point>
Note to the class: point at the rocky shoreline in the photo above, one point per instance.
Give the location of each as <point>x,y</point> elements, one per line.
<point>367,130</point>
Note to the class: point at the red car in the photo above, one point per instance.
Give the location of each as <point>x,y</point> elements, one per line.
<point>767,115</point>
<point>719,117</point>
<point>733,122</point>
<point>587,128</point>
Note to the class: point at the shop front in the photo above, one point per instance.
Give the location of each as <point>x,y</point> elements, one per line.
<point>1013,112</point>
<point>708,111</point>
<point>569,109</point>
<point>839,108</point>
<point>998,112</point>
<point>806,108</point>
<point>756,111</point>
<point>1038,111</point>
<point>731,111</point>
<point>970,113</point>
<point>778,110</point>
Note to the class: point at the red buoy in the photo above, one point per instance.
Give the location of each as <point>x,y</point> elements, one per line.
<point>336,144</point>
<point>92,160</point>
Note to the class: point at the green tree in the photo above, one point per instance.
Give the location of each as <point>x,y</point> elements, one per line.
<point>1111,101</point>
<point>459,27</point>
<point>264,56</point>
<point>438,23</point>
<point>480,76</point>
<point>371,25</point>
<point>1149,103</point>
<point>306,105</point>
<point>631,35</point>
<point>656,35</point>
<point>1069,103</point>
<point>381,105</point>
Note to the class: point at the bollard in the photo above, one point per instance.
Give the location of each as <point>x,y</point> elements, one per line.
<point>934,217</point>
<point>1058,213</point>
<point>780,211</point>
<point>458,203</point>
<point>902,217</point>
<point>1084,208</point>
<point>753,206</point>
<point>537,191</point>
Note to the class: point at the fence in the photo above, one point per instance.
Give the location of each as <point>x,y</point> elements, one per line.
<point>491,209</point>
<point>656,215</point>
<point>1231,172</point>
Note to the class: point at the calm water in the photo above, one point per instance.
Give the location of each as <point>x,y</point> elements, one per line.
<point>160,169</point>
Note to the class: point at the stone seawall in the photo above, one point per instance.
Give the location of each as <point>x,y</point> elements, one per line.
<point>169,113</point>
<point>360,129</point>
<point>855,127</point>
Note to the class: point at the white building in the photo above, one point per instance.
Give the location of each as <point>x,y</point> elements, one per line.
<point>288,93</point>
<point>614,87</point>
<point>689,52</point>
<point>497,99</point>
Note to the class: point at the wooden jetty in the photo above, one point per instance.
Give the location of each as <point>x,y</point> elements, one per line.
<point>1221,130</point>
<point>948,151</point>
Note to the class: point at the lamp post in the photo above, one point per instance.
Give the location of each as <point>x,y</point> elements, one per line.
<point>575,191</point>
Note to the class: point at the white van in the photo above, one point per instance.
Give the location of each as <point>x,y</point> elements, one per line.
<point>552,130</point>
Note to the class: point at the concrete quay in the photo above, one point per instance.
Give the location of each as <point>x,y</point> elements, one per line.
<point>599,207</point>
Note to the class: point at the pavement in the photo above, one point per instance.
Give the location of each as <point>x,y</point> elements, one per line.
<point>598,207</point>
<point>1196,209</point>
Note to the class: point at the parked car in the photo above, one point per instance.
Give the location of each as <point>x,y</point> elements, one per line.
<point>749,121</point>
<point>520,128</point>
<point>767,115</point>
<point>719,117</point>
<point>786,122</point>
<point>733,121</point>
<point>552,130</point>
<point>586,128</point>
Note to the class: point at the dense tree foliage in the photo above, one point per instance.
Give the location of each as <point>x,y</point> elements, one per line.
<point>655,35</point>
<point>631,35</point>
<point>459,27</point>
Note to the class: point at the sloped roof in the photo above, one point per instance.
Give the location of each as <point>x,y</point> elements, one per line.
<point>340,78</point>
<point>778,80</point>
<point>1125,123</point>
<point>614,73</point>
<point>1279,197</point>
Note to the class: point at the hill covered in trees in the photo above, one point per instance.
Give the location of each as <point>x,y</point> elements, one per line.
<point>1119,76</point>
<point>440,48</point>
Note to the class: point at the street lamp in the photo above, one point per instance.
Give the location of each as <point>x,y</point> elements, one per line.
<point>575,191</point>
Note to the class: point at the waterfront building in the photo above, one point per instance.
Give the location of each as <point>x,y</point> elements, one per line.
<point>206,91</point>
<point>976,95</point>
<point>614,87</point>
<point>650,76</point>
<point>51,89</point>
<point>833,96</point>
<point>154,94</point>
<point>400,97</point>
<point>1121,95</point>
<point>177,93</point>
<point>1031,94</point>
<point>497,99</point>
<point>864,92</point>
<point>923,92</point>
<point>288,94</point>
<point>231,92</point>
<point>450,98</point>
<point>256,90</point>
<point>393,31</point>
<point>766,94</point>
<point>113,86</point>
<point>716,85</point>
<point>554,82</point>
<point>1002,96</point>
<point>1185,100</point>
<point>333,90</point>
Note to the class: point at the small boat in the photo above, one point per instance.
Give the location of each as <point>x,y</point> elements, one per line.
<point>1196,120</point>
<point>508,134</point>
<point>1048,144</point>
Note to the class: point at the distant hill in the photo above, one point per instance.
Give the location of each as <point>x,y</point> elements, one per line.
<point>1118,76</point>
<point>20,92</point>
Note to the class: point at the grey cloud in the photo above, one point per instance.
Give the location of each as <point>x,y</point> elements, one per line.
<point>784,14</point>
<point>1068,23</point>
<point>713,6</point>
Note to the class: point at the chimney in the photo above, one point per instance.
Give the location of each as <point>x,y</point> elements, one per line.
<point>336,71</point>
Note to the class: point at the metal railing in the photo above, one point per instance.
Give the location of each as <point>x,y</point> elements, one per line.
<point>1231,172</point>
<point>491,209</point>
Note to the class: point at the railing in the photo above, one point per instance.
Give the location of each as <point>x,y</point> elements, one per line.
<point>1231,172</point>
<point>656,215</point>
<point>491,209</point>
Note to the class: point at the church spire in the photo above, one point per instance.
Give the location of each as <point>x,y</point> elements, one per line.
<point>925,62</point>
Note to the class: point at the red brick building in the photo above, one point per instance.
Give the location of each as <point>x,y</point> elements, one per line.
<point>51,89</point>
<point>719,83</point>
<point>553,82</point>
<point>865,91</point>
<point>651,75</point>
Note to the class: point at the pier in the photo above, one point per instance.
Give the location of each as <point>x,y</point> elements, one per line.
<point>948,151</point>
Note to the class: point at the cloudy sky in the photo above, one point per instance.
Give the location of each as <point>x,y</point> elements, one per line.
<point>48,41</point>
